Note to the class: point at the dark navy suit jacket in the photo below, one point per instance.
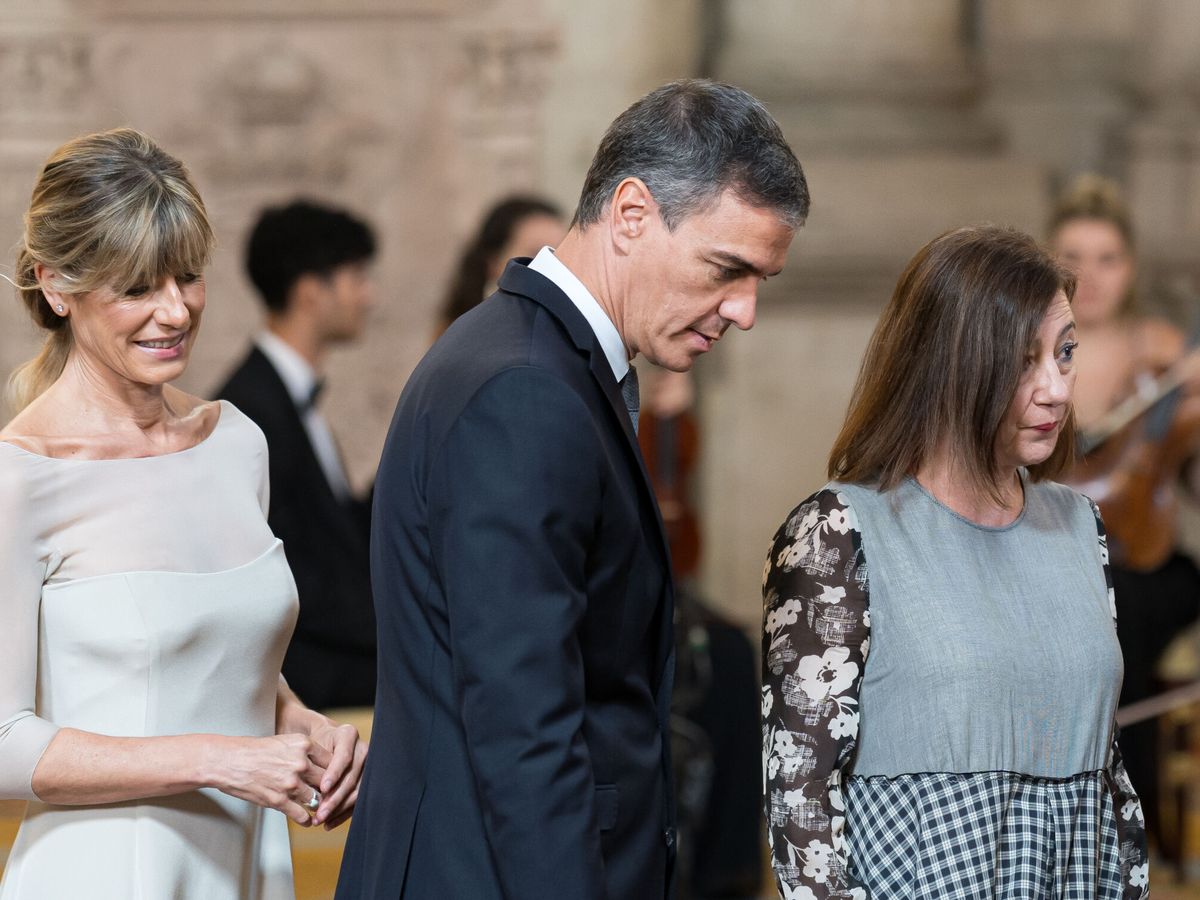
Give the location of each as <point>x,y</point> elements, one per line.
<point>523,597</point>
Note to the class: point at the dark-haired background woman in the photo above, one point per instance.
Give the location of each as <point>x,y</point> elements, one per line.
<point>930,614</point>
<point>516,226</point>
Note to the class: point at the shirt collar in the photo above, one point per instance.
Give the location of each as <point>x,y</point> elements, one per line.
<point>295,372</point>
<point>606,332</point>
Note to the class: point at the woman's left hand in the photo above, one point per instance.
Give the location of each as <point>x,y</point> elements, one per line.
<point>339,787</point>
<point>348,752</point>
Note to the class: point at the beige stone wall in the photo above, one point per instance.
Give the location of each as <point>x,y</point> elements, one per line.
<point>910,116</point>
<point>609,54</point>
<point>416,113</point>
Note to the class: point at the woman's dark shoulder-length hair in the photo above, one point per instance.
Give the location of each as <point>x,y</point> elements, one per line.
<point>470,281</point>
<point>946,359</point>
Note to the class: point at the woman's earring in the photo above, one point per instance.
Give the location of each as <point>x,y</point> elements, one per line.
<point>60,309</point>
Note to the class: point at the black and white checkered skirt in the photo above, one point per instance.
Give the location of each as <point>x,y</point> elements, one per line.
<point>996,835</point>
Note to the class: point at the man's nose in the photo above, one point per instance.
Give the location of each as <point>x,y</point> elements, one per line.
<point>741,307</point>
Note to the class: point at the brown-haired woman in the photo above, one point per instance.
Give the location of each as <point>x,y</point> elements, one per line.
<point>146,603</point>
<point>1091,231</point>
<point>971,752</point>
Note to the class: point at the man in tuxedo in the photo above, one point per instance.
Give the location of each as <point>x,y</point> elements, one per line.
<point>522,584</point>
<point>311,266</point>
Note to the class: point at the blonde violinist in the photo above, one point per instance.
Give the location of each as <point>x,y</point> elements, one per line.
<point>1137,405</point>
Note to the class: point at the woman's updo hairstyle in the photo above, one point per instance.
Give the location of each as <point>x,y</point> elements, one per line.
<point>109,210</point>
<point>1094,197</point>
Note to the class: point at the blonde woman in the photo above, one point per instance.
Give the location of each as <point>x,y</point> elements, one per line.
<point>146,603</point>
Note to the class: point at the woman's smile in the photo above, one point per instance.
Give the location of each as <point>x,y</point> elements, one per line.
<point>165,348</point>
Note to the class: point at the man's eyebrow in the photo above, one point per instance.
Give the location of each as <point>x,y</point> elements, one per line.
<point>733,261</point>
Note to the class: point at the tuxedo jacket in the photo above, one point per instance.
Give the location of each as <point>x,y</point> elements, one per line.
<point>522,590</point>
<point>331,659</point>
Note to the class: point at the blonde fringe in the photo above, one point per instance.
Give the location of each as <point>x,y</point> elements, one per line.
<point>108,210</point>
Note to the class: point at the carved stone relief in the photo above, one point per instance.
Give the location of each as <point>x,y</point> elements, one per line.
<point>412,113</point>
<point>43,73</point>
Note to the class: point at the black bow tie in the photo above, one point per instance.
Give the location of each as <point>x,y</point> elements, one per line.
<point>313,395</point>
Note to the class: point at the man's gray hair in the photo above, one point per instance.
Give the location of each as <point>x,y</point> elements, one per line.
<point>689,141</point>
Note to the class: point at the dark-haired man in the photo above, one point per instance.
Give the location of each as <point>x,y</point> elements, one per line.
<point>311,267</point>
<point>522,586</point>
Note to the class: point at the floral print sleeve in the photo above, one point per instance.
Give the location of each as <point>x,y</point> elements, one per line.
<point>1131,828</point>
<point>815,641</point>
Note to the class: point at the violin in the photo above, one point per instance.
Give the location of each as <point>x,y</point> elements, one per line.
<point>1131,464</point>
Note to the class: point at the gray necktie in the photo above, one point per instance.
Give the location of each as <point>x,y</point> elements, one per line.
<point>629,390</point>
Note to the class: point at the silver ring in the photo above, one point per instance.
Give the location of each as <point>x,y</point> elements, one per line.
<point>314,801</point>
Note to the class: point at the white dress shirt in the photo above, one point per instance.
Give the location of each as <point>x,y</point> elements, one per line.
<point>606,332</point>
<point>299,378</point>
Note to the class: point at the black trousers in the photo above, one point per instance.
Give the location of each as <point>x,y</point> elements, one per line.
<point>1152,609</point>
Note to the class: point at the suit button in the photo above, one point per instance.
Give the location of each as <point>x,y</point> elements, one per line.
<point>669,838</point>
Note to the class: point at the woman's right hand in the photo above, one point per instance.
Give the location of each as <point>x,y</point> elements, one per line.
<point>279,772</point>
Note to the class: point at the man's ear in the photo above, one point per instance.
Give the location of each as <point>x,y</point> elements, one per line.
<point>307,292</point>
<point>630,212</point>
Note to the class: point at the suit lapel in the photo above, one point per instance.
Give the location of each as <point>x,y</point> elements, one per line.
<point>298,441</point>
<point>518,278</point>
<point>602,372</point>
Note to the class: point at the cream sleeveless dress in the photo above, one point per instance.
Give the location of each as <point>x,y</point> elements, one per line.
<point>142,597</point>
